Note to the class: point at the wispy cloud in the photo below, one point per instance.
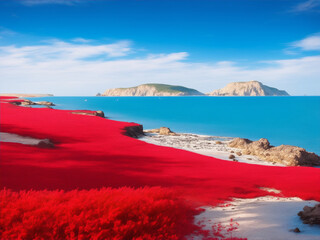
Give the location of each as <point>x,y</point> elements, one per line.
<point>310,43</point>
<point>43,2</point>
<point>72,68</point>
<point>309,5</point>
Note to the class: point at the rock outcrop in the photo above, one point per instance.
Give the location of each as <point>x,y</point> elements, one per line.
<point>251,88</point>
<point>162,131</point>
<point>134,131</point>
<point>310,215</point>
<point>90,113</point>
<point>46,103</point>
<point>284,154</point>
<point>26,102</point>
<point>45,143</point>
<point>152,90</point>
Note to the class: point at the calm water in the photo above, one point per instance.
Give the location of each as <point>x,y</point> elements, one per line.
<point>282,120</point>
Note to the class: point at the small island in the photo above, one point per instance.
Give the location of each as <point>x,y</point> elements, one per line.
<point>153,89</point>
<point>251,88</point>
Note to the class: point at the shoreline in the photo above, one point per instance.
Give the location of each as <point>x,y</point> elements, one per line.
<point>88,148</point>
<point>204,145</point>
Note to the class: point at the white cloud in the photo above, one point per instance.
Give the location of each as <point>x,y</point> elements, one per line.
<point>71,68</point>
<point>309,5</point>
<point>308,44</point>
<point>43,2</point>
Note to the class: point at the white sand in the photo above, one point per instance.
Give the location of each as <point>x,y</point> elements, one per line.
<point>262,218</point>
<point>205,145</point>
<point>14,138</point>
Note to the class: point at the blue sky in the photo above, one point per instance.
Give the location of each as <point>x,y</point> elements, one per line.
<point>89,46</point>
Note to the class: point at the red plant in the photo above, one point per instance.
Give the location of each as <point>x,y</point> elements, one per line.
<point>124,213</point>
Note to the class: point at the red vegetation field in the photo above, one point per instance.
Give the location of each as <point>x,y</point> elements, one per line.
<point>124,213</point>
<point>92,153</point>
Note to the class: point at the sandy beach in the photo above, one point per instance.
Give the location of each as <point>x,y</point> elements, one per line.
<point>213,146</point>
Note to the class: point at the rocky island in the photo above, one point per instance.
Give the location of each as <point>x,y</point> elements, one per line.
<point>251,88</point>
<point>152,89</point>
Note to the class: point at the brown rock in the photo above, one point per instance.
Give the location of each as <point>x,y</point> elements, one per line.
<point>46,103</point>
<point>310,215</point>
<point>218,142</point>
<point>231,156</point>
<point>27,102</point>
<point>239,153</point>
<point>296,230</point>
<point>284,154</point>
<point>100,113</point>
<point>165,131</point>
<point>134,131</point>
<point>45,143</point>
<point>232,151</point>
<point>95,113</point>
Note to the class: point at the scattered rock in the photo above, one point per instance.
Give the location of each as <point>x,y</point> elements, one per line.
<point>310,215</point>
<point>94,113</point>
<point>232,151</point>
<point>45,103</point>
<point>239,153</point>
<point>100,113</point>
<point>218,142</point>
<point>45,143</point>
<point>235,160</point>
<point>134,131</point>
<point>162,131</point>
<point>231,156</point>
<point>165,131</point>
<point>284,154</point>
<point>27,102</point>
<point>296,230</point>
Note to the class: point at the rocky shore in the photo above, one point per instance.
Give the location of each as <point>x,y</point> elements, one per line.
<point>284,154</point>
<point>233,149</point>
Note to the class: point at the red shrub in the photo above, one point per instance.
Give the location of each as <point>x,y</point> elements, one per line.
<point>124,213</point>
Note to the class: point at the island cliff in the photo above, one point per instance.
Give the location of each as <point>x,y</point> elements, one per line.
<point>152,90</point>
<point>251,88</point>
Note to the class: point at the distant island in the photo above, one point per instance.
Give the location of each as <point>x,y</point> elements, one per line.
<point>250,88</point>
<point>152,89</point>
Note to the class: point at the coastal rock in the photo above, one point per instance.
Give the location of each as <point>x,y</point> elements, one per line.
<point>89,113</point>
<point>134,131</point>
<point>27,102</point>
<point>239,153</point>
<point>152,89</point>
<point>45,143</point>
<point>310,215</point>
<point>100,113</point>
<point>251,88</point>
<point>231,156</point>
<point>45,103</point>
<point>284,154</point>
<point>162,131</point>
<point>166,131</point>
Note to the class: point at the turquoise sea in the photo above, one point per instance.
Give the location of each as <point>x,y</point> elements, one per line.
<point>282,120</point>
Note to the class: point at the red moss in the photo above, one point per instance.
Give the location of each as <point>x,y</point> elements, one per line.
<point>125,213</point>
